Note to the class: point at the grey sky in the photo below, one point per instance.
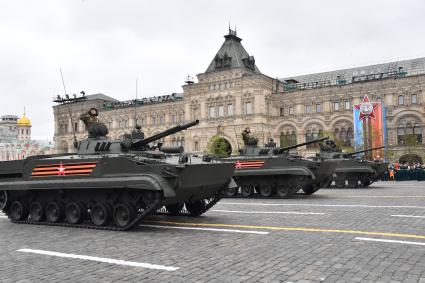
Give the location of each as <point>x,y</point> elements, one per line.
<point>102,46</point>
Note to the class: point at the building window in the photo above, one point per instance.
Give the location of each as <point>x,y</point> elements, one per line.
<point>248,108</point>
<point>27,131</point>
<point>288,138</point>
<point>196,145</point>
<point>220,111</point>
<point>212,112</point>
<point>153,120</point>
<point>409,134</point>
<point>312,135</point>
<point>162,119</point>
<point>344,136</point>
<point>401,100</point>
<point>76,127</point>
<point>181,117</point>
<point>282,112</point>
<point>308,109</point>
<point>347,105</point>
<point>291,110</point>
<point>109,124</point>
<point>318,108</point>
<point>336,106</point>
<point>229,109</point>
<point>173,118</point>
<point>414,99</point>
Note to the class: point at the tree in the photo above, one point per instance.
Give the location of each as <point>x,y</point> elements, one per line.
<point>218,146</point>
<point>411,142</point>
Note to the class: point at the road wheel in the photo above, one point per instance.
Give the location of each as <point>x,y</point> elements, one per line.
<point>310,189</point>
<point>282,190</point>
<point>3,199</point>
<point>100,214</point>
<point>174,209</point>
<point>37,211</point>
<point>55,212</point>
<point>123,214</point>
<point>353,182</point>
<point>196,208</point>
<point>265,190</point>
<point>247,190</point>
<point>230,192</point>
<point>365,183</point>
<point>18,210</point>
<point>75,212</point>
<point>340,182</point>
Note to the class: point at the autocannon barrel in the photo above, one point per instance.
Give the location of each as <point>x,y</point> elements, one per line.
<point>165,133</point>
<point>363,151</point>
<point>283,149</point>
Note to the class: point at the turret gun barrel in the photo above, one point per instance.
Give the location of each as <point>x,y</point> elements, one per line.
<point>165,133</point>
<point>346,155</point>
<point>283,149</point>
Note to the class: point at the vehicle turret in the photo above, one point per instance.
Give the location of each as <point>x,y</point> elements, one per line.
<point>99,143</point>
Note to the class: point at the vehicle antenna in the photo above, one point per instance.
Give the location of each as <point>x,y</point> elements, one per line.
<point>135,103</point>
<point>69,110</point>
<point>236,135</point>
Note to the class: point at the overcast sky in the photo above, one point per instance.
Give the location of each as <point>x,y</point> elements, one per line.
<point>102,46</point>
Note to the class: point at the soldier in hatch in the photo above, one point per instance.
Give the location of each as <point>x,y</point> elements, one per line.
<point>94,127</point>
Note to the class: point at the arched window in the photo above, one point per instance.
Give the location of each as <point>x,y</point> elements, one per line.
<point>162,119</point>
<point>350,136</point>
<point>154,119</point>
<point>401,100</point>
<point>314,131</point>
<point>288,138</point>
<point>343,133</point>
<point>173,118</point>
<point>336,133</point>
<point>181,117</point>
<point>409,132</point>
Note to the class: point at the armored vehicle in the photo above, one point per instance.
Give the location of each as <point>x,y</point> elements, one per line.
<point>109,184</point>
<point>273,172</point>
<point>352,172</point>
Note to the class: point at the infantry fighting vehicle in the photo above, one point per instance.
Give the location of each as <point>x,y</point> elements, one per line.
<point>109,184</point>
<point>351,172</point>
<point>273,172</point>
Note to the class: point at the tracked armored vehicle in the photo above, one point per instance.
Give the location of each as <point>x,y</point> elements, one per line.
<point>273,172</point>
<point>109,184</point>
<point>352,172</point>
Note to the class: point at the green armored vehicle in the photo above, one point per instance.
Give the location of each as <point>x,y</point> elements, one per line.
<point>273,172</point>
<point>351,172</point>
<point>109,184</point>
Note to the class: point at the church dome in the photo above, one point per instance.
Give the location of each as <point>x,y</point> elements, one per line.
<point>24,121</point>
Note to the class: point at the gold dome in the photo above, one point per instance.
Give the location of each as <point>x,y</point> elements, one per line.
<point>24,121</point>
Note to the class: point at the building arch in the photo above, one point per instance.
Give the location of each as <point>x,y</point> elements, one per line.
<point>234,145</point>
<point>409,130</point>
<point>287,135</point>
<point>343,131</point>
<point>216,144</point>
<point>313,130</point>
<point>317,121</point>
<point>285,124</point>
<point>341,119</point>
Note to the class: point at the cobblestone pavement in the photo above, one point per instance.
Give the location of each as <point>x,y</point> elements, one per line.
<point>336,235</point>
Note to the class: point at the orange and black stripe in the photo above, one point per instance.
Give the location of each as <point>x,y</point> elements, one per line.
<point>249,164</point>
<point>70,169</point>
